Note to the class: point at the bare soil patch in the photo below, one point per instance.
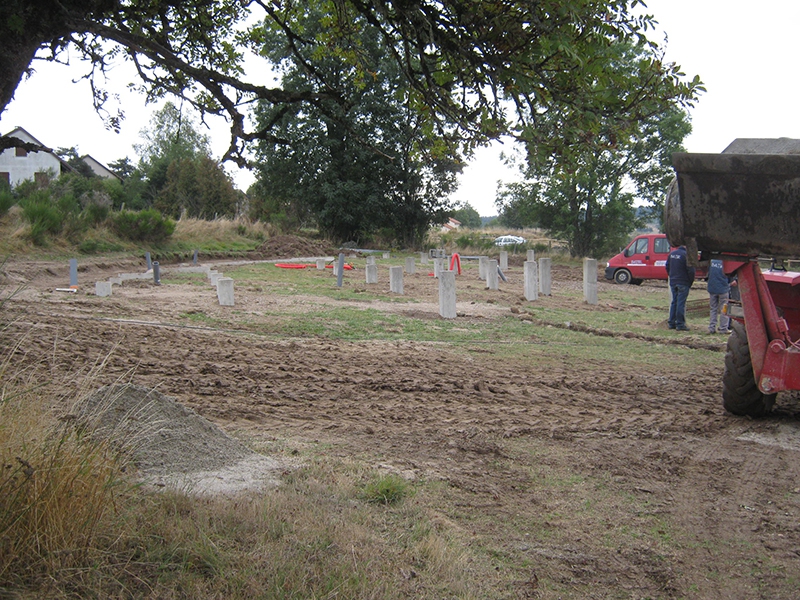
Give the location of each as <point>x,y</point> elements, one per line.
<point>721,494</point>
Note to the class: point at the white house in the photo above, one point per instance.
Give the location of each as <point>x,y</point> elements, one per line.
<point>99,168</point>
<point>17,164</point>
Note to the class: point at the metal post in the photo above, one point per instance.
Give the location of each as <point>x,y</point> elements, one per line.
<point>156,272</point>
<point>147,259</point>
<point>73,271</point>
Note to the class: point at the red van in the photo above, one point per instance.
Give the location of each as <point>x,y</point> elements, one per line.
<point>644,258</point>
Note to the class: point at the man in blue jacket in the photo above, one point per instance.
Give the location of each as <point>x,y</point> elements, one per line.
<point>719,288</point>
<point>681,278</point>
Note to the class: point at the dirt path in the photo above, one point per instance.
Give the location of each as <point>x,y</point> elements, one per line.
<point>722,493</point>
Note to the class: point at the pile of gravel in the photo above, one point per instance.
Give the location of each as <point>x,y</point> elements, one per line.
<point>171,444</point>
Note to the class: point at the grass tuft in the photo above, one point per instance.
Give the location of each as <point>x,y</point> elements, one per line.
<point>387,489</point>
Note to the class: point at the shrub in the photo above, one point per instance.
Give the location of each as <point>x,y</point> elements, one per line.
<point>143,226</point>
<point>44,217</point>
<point>6,201</point>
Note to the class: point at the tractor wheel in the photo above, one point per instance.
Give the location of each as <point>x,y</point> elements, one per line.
<point>740,393</point>
<point>622,276</point>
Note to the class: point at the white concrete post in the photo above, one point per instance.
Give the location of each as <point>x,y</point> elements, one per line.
<point>411,266</point>
<point>531,256</point>
<point>213,277</point>
<point>545,278</point>
<point>396,280</point>
<point>225,291</point>
<point>102,288</point>
<point>590,280</point>
<point>387,255</point>
<point>372,273</point>
<point>504,260</point>
<point>531,280</point>
<point>320,264</point>
<point>492,278</point>
<point>447,295</point>
<point>371,259</point>
<point>483,267</point>
<point>437,267</point>
<point>423,258</point>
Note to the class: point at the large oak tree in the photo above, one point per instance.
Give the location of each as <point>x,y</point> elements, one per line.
<point>476,69</point>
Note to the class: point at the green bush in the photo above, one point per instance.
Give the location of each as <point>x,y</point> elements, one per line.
<point>44,217</point>
<point>143,226</point>
<point>6,201</point>
<point>95,214</point>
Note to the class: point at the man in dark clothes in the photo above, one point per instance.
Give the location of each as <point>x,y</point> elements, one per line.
<point>681,278</point>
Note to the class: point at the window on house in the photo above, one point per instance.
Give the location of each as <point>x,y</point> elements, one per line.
<point>22,152</point>
<point>5,177</point>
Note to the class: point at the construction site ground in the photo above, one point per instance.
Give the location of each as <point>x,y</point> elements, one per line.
<point>718,494</point>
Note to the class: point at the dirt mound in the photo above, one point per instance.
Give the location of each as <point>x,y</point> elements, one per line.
<point>293,246</point>
<point>171,444</point>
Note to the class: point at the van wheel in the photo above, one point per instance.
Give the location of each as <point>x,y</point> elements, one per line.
<point>740,393</point>
<point>622,276</point>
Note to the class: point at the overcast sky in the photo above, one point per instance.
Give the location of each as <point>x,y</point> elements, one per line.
<point>742,50</point>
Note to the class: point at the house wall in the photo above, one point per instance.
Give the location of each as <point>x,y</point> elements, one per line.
<point>20,168</point>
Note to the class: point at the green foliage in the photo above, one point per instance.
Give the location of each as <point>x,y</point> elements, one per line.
<point>92,245</point>
<point>468,216</point>
<point>467,240</point>
<point>143,226</point>
<point>73,159</point>
<point>43,216</point>
<point>586,194</point>
<point>363,169</point>
<point>471,81</point>
<point>7,200</point>
<point>172,135</point>
<point>197,186</point>
<point>387,489</point>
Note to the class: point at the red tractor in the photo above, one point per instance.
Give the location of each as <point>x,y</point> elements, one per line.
<point>743,206</point>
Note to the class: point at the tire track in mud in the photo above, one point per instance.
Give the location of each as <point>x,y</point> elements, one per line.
<point>379,384</point>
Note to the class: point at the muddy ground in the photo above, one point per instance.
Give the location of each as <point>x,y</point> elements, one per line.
<point>722,493</point>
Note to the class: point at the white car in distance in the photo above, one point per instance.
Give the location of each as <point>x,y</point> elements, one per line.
<point>509,240</point>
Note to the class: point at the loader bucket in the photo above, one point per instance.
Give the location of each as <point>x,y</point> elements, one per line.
<point>737,203</point>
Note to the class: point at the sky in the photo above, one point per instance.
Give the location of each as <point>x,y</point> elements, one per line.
<point>744,52</point>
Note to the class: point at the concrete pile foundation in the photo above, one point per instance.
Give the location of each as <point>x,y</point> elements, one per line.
<point>531,277</point>
<point>492,276</point>
<point>447,294</point>
<point>396,280</point>
<point>545,278</point>
<point>225,291</point>
<point>503,260</point>
<point>590,280</point>
<point>372,273</point>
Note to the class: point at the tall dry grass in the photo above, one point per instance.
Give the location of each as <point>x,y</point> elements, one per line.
<point>201,232</point>
<point>56,485</point>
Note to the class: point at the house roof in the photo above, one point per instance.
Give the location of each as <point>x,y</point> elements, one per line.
<point>24,135</point>
<point>99,168</point>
